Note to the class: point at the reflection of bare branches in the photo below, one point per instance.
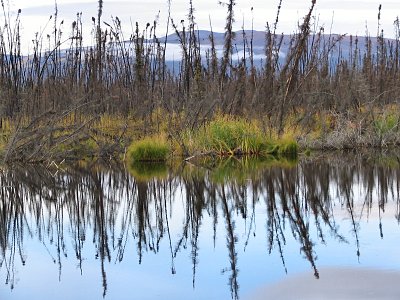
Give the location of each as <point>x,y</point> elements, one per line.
<point>12,227</point>
<point>100,226</point>
<point>298,221</point>
<point>252,218</point>
<point>231,240</point>
<point>119,210</point>
<point>165,197</point>
<point>345,178</point>
<point>319,199</point>
<point>195,203</point>
<point>274,223</point>
<point>355,225</point>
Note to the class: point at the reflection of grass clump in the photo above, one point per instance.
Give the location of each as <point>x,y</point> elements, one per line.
<point>244,168</point>
<point>145,171</point>
<point>148,149</point>
<point>232,169</point>
<point>388,160</point>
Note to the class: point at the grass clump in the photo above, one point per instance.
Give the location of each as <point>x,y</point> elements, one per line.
<point>384,124</point>
<point>287,147</point>
<point>148,149</point>
<point>229,136</point>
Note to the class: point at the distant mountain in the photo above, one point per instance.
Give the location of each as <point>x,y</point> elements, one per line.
<point>259,38</point>
<point>344,45</point>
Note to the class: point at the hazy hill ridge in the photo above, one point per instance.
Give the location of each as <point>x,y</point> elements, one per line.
<point>345,44</point>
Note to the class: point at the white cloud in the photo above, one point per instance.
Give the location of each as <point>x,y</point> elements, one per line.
<point>348,16</point>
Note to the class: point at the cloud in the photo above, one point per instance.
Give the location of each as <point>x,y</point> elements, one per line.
<point>344,16</point>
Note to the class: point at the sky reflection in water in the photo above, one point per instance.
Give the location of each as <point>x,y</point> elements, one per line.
<point>214,230</point>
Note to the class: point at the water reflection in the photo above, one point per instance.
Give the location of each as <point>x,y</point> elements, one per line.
<point>111,208</point>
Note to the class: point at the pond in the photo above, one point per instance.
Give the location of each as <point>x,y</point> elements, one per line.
<point>221,229</point>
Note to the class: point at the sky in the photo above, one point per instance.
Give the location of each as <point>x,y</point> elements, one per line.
<point>336,16</point>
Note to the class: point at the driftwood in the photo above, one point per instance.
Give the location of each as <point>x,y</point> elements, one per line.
<point>212,153</point>
<point>200,154</point>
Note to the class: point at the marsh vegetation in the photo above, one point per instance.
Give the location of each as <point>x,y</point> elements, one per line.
<point>239,189</point>
<point>67,100</point>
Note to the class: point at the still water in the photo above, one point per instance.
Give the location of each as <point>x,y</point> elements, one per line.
<point>224,229</point>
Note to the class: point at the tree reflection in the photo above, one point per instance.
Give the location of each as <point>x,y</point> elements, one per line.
<point>116,208</point>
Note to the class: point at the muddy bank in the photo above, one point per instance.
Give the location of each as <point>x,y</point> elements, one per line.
<point>334,284</point>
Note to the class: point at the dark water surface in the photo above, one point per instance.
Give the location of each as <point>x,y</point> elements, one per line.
<point>245,229</point>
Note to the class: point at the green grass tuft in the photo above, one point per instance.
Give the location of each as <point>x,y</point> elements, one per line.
<point>287,147</point>
<point>384,124</point>
<point>148,149</point>
<point>228,136</point>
